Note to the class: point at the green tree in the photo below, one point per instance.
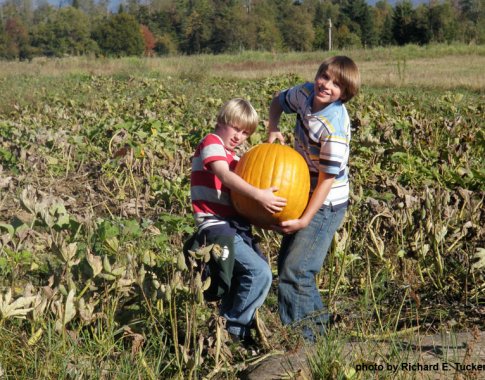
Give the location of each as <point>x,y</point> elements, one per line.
<point>20,9</point>
<point>382,16</point>
<point>422,31</point>
<point>324,11</point>
<point>344,38</point>
<point>99,8</point>
<point>119,35</point>
<point>90,7</point>
<point>243,28</point>
<point>132,6</point>
<point>472,10</point>
<point>196,28</point>
<point>159,21</point>
<point>3,40</point>
<point>43,12</point>
<point>224,36</point>
<point>268,35</point>
<point>296,26</point>
<point>166,44</point>
<point>256,26</point>
<point>163,20</point>
<point>16,40</point>
<point>443,22</point>
<point>361,22</point>
<point>168,22</point>
<point>403,23</point>
<point>145,17</point>
<point>472,21</point>
<point>65,32</point>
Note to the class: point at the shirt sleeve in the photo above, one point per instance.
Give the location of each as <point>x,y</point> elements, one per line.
<point>294,99</point>
<point>212,150</point>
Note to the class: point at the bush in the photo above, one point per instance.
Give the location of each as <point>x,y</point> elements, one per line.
<point>119,35</point>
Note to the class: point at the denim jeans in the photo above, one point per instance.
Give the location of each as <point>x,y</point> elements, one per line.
<point>250,285</point>
<point>300,259</point>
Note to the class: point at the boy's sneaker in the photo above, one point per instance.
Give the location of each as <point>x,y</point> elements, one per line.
<point>247,341</point>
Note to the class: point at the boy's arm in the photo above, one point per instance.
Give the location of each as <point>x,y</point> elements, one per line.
<point>275,111</point>
<point>319,195</point>
<point>231,180</point>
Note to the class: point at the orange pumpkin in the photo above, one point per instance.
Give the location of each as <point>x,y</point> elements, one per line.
<point>268,165</point>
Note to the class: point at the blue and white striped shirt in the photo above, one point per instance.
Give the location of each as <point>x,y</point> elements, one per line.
<point>322,138</point>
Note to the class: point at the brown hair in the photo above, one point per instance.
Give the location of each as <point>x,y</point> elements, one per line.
<point>238,112</point>
<point>344,71</point>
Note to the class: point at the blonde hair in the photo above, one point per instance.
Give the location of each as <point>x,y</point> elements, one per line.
<point>344,71</point>
<point>238,112</point>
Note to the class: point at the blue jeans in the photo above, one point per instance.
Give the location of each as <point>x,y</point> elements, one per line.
<point>250,285</point>
<point>300,259</point>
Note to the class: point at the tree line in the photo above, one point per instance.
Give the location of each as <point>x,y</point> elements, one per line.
<point>160,27</point>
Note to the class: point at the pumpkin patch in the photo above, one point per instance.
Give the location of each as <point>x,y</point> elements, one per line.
<point>267,165</point>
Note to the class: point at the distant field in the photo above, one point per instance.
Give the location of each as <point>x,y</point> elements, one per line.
<point>440,67</point>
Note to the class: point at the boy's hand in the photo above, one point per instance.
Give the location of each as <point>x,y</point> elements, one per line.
<point>290,226</point>
<point>276,135</point>
<point>269,200</point>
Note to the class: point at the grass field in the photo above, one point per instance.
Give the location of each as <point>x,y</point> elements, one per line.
<point>94,204</point>
<point>441,67</point>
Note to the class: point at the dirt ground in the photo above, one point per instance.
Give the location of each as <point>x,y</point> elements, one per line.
<point>447,356</point>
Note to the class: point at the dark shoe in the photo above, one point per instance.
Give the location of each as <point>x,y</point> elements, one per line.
<point>334,318</point>
<point>247,340</point>
<point>312,328</point>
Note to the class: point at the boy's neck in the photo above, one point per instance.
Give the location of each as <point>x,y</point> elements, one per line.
<point>317,107</point>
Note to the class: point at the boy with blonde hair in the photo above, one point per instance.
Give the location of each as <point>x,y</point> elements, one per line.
<point>241,276</point>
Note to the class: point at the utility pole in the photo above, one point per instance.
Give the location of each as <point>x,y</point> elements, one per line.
<point>248,6</point>
<point>329,34</point>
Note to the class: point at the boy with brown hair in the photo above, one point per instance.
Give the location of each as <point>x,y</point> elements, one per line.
<point>322,136</point>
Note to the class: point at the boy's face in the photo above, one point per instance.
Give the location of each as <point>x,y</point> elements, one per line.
<point>231,135</point>
<point>326,91</point>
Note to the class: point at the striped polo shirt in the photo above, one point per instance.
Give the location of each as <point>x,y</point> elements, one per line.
<point>209,196</point>
<point>322,138</point>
